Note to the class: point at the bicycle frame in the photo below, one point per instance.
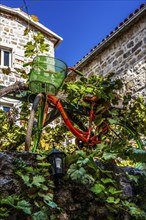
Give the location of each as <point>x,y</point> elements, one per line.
<point>85,136</point>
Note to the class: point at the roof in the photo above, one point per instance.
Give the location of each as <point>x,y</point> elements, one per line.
<point>122,27</point>
<point>56,39</point>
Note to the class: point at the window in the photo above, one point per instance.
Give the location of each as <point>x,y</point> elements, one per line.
<point>6,109</point>
<point>5,57</point>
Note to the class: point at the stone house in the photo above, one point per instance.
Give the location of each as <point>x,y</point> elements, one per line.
<point>13,22</point>
<point>123,52</point>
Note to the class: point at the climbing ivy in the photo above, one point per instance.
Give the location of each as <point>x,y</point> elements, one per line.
<point>37,200</point>
<point>104,183</point>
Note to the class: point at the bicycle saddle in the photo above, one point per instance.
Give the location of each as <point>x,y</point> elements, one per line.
<point>90,99</point>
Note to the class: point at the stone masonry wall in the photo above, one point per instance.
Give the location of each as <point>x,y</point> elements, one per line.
<point>126,57</point>
<point>12,37</point>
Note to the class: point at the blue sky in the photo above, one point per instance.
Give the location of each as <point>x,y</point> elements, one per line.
<point>81,23</point>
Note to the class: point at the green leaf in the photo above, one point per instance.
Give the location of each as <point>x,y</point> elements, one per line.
<point>109,156</point>
<point>25,179</point>
<point>87,179</point>
<point>38,180</point>
<point>78,174</point>
<point>72,169</point>
<point>89,90</point>
<point>81,153</point>
<point>9,200</point>
<point>53,217</point>
<point>47,197</point>
<point>41,157</point>
<point>5,127</point>
<point>15,202</point>
<point>98,188</point>
<point>112,121</point>
<point>71,159</point>
<point>113,190</point>
<point>107,180</point>
<point>45,188</point>
<point>112,200</point>
<point>25,206</point>
<point>4,212</point>
<point>41,215</point>
<point>51,204</point>
<point>29,169</point>
<point>135,211</point>
<point>43,164</point>
<point>83,162</point>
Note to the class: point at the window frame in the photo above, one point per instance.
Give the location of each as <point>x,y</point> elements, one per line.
<point>2,61</point>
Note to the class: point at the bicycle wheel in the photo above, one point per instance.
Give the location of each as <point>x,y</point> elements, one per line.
<point>122,136</point>
<point>38,112</point>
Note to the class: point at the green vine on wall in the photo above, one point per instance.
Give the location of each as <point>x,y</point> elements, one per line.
<point>37,199</point>
<point>101,179</point>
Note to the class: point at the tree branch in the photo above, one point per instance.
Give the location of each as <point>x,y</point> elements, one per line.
<point>17,86</point>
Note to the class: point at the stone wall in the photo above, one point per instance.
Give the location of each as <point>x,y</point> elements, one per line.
<point>126,57</point>
<point>12,38</point>
<point>74,199</point>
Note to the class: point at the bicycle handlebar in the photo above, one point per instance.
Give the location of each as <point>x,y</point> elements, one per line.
<point>69,68</point>
<point>76,71</point>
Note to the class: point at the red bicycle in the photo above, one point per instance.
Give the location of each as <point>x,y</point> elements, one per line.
<point>46,77</point>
